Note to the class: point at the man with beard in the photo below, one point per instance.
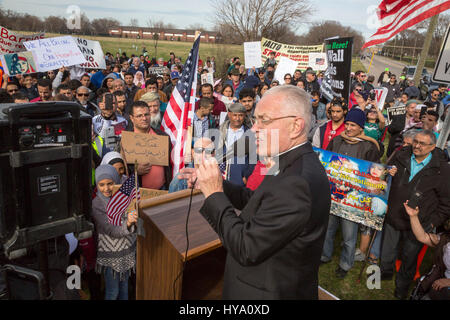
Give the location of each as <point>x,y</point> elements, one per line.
<point>44,89</point>
<point>82,96</point>
<point>156,115</point>
<point>332,128</point>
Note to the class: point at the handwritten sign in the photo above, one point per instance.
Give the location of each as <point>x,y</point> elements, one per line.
<point>252,54</point>
<point>285,66</point>
<point>18,63</point>
<point>11,41</point>
<point>54,53</point>
<point>92,50</point>
<point>380,97</point>
<point>160,71</point>
<point>145,148</point>
<point>359,188</point>
<point>207,78</point>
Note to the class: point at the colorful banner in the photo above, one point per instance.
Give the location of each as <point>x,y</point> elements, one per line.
<point>336,81</point>
<point>359,188</point>
<point>11,41</point>
<point>18,63</point>
<point>92,50</point>
<point>54,53</point>
<point>293,52</point>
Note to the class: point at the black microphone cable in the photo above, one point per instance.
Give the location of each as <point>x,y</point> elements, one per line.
<point>187,240</point>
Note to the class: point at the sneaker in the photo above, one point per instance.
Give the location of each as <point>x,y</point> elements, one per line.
<point>340,273</point>
<point>359,256</point>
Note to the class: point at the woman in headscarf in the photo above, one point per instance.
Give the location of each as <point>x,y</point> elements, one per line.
<point>139,80</point>
<point>115,159</point>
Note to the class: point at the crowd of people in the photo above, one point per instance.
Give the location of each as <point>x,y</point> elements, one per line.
<point>127,96</point>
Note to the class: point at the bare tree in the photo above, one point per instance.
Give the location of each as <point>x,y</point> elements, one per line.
<point>158,27</point>
<point>134,22</point>
<point>252,19</point>
<point>319,31</point>
<point>103,25</point>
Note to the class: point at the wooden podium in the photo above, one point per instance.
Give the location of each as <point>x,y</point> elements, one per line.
<point>160,254</point>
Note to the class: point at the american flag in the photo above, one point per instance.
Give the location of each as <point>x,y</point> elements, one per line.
<point>121,200</point>
<point>397,15</point>
<point>180,110</point>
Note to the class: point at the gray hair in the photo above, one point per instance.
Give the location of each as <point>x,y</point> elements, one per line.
<point>410,134</point>
<point>430,134</point>
<point>83,87</point>
<point>296,99</point>
<point>119,80</point>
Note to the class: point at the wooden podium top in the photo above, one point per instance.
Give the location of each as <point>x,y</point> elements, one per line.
<point>169,212</point>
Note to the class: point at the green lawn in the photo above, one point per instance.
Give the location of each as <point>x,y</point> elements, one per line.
<point>349,288</point>
<point>357,65</point>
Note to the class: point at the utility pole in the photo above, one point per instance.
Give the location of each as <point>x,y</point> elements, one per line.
<point>425,49</point>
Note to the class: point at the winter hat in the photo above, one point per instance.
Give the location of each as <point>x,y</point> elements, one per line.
<point>357,116</point>
<point>112,158</point>
<point>106,171</point>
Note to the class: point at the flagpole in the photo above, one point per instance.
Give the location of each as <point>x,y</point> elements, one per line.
<point>188,142</point>
<point>373,53</point>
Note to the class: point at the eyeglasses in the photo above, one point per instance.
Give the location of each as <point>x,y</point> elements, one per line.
<point>207,150</point>
<point>421,143</point>
<point>83,94</point>
<point>266,122</point>
<point>140,116</point>
<point>287,78</point>
<point>13,90</point>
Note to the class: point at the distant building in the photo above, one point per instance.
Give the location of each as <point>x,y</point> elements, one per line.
<point>165,34</point>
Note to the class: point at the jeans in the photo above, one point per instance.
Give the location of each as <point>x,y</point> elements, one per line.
<point>376,245</point>
<point>408,255</point>
<point>349,236</point>
<point>115,289</point>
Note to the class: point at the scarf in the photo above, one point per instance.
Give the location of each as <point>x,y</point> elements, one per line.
<point>359,138</point>
<point>117,253</point>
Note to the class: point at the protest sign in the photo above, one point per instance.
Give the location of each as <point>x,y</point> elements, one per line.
<point>359,188</point>
<point>393,112</point>
<point>207,78</point>
<point>92,50</point>
<point>336,81</point>
<point>380,97</point>
<point>293,52</point>
<point>160,71</point>
<point>318,61</point>
<point>18,63</point>
<point>54,53</point>
<point>11,41</point>
<point>252,54</point>
<point>145,148</point>
<point>285,66</point>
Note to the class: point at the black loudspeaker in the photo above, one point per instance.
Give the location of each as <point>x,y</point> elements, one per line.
<point>45,172</point>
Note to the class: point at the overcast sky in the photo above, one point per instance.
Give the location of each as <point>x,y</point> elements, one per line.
<point>183,13</point>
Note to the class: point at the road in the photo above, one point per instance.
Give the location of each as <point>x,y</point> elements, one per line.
<point>380,63</point>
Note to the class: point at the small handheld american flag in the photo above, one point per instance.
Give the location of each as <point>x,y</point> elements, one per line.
<point>120,201</point>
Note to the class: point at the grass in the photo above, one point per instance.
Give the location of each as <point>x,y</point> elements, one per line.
<point>357,65</point>
<point>349,288</point>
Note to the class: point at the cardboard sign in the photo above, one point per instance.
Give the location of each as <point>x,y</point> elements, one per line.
<point>207,78</point>
<point>160,71</point>
<point>54,53</point>
<point>293,52</point>
<point>93,53</point>
<point>11,41</point>
<point>380,97</point>
<point>252,54</point>
<point>145,148</point>
<point>285,66</point>
<point>318,61</point>
<point>18,63</point>
<point>359,188</point>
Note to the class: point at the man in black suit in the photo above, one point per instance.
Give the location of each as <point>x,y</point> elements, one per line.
<point>274,245</point>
